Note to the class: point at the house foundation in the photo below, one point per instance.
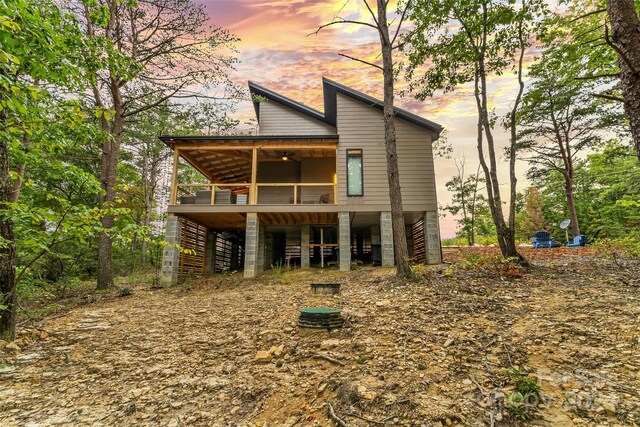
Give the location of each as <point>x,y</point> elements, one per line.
<point>251,249</point>
<point>344,240</point>
<point>432,238</point>
<point>386,235</point>
<point>171,252</point>
<point>305,240</point>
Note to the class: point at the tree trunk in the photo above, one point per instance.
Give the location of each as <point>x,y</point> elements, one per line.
<point>8,296</point>
<point>625,32</point>
<point>108,180</point>
<point>571,205</point>
<point>400,250</point>
<point>506,239</point>
<point>147,223</point>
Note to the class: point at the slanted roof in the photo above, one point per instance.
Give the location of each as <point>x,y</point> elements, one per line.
<point>255,89</point>
<point>330,89</point>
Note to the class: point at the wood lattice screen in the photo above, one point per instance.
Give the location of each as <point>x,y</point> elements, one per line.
<point>293,249</point>
<point>419,244</point>
<point>194,245</point>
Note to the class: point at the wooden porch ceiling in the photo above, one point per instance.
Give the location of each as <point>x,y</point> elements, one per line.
<point>230,166</point>
<point>234,221</point>
<point>297,218</point>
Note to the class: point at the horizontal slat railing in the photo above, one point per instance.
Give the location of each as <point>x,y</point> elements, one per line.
<point>265,193</point>
<point>212,194</point>
<point>295,193</point>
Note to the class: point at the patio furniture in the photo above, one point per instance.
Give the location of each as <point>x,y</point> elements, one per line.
<point>578,241</point>
<point>187,200</point>
<point>543,240</point>
<point>203,197</point>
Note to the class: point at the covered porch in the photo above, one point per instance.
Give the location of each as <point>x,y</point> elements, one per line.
<point>254,170</point>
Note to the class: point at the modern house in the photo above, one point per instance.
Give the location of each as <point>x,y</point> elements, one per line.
<point>311,189</point>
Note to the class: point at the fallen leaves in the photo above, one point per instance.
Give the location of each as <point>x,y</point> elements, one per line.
<point>428,352</point>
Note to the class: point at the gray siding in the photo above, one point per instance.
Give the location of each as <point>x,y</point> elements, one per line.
<point>362,126</point>
<point>276,119</point>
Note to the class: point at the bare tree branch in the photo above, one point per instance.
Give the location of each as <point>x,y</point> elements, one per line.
<point>361,60</point>
<point>609,97</point>
<point>595,12</point>
<point>373,15</point>
<point>404,13</point>
<point>342,21</point>
<point>597,76</point>
<point>617,49</point>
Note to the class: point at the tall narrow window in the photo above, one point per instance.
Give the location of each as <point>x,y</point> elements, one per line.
<point>354,173</point>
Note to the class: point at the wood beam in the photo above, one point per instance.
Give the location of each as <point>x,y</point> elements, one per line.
<point>196,165</point>
<point>174,179</point>
<point>254,175</point>
<point>262,146</point>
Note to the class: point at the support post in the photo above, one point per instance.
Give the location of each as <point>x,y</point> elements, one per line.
<point>344,239</point>
<point>171,252</point>
<point>174,179</point>
<point>432,238</point>
<point>253,196</point>
<point>251,246</point>
<point>305,240</point>
<point>386,237</point>
<point>261,242</point>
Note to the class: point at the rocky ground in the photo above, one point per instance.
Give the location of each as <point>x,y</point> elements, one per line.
<point>450,348</point>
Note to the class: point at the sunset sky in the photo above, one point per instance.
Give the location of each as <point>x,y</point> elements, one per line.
<point>276,51</point>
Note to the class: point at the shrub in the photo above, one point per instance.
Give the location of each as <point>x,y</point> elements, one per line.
<point>509,268</point>
<point>524,399</point>
<point>124,292</point>
<point>620,249</point>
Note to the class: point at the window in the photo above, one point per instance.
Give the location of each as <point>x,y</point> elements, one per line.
<point>354,173</point>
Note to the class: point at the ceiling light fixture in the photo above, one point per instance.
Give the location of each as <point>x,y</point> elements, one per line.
<point>284,156</point>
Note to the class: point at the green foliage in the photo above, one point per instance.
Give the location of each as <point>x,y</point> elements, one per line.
<point>507,268</point>
<point>531,218</point>
<point>469,204</point>
<point>227,271</point>
<point>454,51</point>
<point>621,249</point>
<point>517,406</point>
<point>521,403</point>
<point>607,193</point>
<point>524,384</point>
<point>280,268</point>
<point>578,51</point>
<point>124,292</point>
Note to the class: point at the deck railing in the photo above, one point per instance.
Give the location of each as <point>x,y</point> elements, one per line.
<point>213,194</point>
<point>264,194</point>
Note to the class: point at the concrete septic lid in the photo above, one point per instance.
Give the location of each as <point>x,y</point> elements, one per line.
<point>320,310</point>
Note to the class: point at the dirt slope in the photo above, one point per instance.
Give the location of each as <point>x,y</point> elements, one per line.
<point>428,353</point>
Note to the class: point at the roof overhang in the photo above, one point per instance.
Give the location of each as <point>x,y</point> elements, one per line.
<point>249,141</point>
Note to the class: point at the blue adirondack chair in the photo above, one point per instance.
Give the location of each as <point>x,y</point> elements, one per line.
<point>578,241</point>
<point>583,240</point>
<point>543,240</point>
